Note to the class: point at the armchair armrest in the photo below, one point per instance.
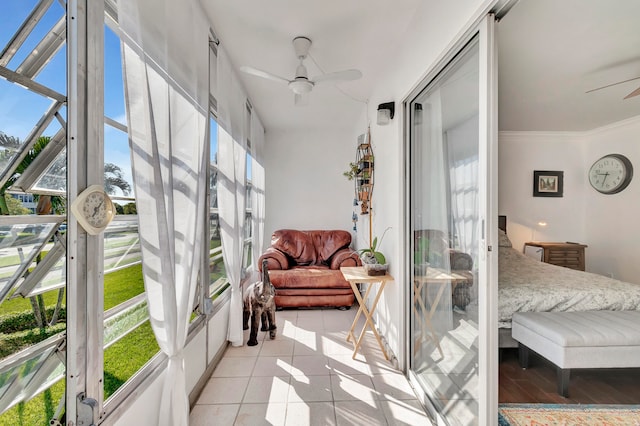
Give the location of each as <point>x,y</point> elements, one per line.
<point>345,257</point>
<point>275,258</point>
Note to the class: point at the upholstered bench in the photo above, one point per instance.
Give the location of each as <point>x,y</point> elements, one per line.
<point>592,339</point>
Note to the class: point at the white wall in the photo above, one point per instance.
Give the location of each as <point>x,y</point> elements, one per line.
<point>520,153</point>
<point>613,227</point>
<point>606,223</point>
<point>304,183</point>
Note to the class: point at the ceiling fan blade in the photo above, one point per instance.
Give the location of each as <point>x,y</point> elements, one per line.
<point>338,76</point>
<point>301,99</point>
<point>634,93</point>
<point>612,84</point>
<point>263,74</point>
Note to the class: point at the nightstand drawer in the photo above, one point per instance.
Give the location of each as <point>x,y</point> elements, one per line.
<point>569,255</point>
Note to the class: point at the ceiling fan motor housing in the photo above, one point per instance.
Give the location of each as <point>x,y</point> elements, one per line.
<point>301,46</point>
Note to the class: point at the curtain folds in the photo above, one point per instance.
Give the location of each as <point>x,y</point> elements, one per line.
<point>232,153</point>
<point>258,193</point>
<point>165,70</point>
<point>231,207</point>
<point>463,173</point>
<point>433,194</point>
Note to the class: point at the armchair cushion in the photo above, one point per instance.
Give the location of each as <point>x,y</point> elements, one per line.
<point>306,248</point>
<point>328,243</point>
<point>296,244</point>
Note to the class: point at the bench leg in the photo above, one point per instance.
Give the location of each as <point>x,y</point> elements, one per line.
<point>523,355</point>
<point>563,381</point>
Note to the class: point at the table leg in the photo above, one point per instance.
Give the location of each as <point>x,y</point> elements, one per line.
<point>361,305</point>
<point>368,320</point>
<point>427,315</point>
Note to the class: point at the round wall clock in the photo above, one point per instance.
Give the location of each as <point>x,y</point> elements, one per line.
<point>611,174</point>
<point>93,209</point>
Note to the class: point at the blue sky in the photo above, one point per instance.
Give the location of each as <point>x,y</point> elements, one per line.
<point>20,109</point>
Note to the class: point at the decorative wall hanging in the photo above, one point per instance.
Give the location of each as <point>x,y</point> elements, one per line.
<point>547,183</point>
<point>364,177</point>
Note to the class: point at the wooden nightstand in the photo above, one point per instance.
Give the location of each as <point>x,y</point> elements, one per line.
<point>569,255</point>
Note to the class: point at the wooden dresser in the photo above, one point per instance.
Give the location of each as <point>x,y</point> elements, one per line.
<point>569,255</point>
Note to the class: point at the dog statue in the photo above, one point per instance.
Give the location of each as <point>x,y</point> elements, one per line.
<point>259,304</point>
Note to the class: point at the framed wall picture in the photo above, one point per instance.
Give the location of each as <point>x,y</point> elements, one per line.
<point>547,183</point>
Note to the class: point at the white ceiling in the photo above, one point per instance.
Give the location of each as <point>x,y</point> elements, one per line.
<point>550,53</point>
<point>345,34</point>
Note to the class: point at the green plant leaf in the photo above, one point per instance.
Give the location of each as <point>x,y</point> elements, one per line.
<point>380,257</point>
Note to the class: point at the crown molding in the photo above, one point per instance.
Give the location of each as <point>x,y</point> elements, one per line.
<point>515,135</point>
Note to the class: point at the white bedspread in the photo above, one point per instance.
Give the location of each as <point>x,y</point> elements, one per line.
<point>526,284</point>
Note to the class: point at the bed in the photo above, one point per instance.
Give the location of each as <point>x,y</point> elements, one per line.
<point>528,285</point>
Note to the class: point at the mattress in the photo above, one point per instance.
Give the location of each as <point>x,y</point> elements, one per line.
<point>528,285</point>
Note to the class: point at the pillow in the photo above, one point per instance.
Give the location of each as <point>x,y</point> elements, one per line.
<point>503,240</point>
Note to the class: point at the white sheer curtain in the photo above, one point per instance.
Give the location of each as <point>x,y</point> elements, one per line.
<point>165,45</point>
<point>435,172</point>
<point>231,185</point>
<point>463,173</point>
<point>432,195</point>
<point>258,193</point>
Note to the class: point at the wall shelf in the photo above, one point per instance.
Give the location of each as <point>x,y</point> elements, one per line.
<point>364,178</point>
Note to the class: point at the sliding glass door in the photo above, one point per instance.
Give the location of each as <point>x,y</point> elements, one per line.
<point>450,263</point>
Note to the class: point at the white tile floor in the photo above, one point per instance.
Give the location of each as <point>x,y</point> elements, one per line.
<point>306,376</point>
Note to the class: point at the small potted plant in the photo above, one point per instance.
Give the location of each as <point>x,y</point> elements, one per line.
<point>374,261</point>
<point>353,172</point>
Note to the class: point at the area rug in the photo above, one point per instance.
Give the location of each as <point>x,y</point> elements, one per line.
<point>568,415</point>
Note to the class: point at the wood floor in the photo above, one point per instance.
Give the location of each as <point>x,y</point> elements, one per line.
<point>537,384</point>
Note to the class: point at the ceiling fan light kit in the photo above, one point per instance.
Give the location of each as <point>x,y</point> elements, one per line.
<point>301,85</point>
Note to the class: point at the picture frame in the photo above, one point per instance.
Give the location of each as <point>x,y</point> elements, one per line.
<point>548,183</point>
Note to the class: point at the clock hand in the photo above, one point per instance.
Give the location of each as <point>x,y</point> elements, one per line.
<point>605,177</point>
<point>97,208</point>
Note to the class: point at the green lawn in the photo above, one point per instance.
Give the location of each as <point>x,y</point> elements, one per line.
<point>128,355</point>
<point>121,360</point>
<point>37,411</point>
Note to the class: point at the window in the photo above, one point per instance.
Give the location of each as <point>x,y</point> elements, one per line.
<point>248,228</point>
<point>217,274</point>
<point>33,272</point>
<point>33,170</point>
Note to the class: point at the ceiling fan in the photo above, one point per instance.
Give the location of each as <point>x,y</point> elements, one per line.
<point>301,84</point>
<point>630,95</point>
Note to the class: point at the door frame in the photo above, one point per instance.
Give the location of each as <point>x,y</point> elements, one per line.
<point>484,26</point>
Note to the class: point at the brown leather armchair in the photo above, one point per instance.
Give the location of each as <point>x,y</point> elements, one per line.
<point>304,267</point>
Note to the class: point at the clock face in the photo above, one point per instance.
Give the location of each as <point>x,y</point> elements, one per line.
<point>93,209</point>
<point>97,209</point>
<point>611,174</point>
